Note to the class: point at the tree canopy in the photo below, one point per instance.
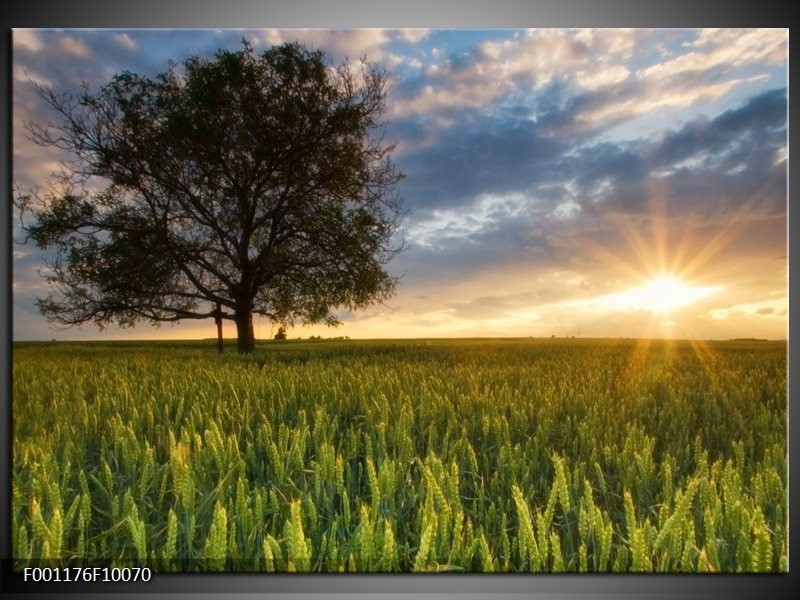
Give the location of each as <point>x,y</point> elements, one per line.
<point>259,183</point>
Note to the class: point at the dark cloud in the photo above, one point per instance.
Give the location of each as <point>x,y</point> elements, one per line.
<point>762,120</point>
<point>482,154</point>
<point>735,167</point>
<point>410,86</point>
<point>707,165</point>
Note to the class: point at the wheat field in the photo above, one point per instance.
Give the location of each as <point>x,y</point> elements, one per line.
<point>402,456</point>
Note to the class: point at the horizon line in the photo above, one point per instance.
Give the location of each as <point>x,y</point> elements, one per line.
<point>432,338</point>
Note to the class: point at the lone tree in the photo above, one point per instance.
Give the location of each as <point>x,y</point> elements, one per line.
<point>256,183</point>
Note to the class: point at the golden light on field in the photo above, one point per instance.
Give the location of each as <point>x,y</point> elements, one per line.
<point>661,294</point>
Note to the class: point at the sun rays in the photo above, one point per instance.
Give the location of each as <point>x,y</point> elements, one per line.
<point>662,295</point>
<point>668,269</point>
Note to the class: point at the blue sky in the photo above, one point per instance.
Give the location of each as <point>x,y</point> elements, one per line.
<point>558,182</point>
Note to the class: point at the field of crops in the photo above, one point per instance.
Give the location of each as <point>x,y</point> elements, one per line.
<point>463,455</point>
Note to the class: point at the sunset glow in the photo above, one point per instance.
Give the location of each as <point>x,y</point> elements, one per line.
<point>661,294</point>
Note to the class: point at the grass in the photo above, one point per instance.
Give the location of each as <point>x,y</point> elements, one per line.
<point>418,455</point>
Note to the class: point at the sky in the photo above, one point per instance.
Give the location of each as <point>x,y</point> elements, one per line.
<point>588,183</point>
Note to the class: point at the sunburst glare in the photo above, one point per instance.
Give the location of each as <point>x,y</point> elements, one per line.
<point>661,294</point>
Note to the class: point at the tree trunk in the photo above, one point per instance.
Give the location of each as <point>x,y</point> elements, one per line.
<point>218,321</point>
<point>246,340</point>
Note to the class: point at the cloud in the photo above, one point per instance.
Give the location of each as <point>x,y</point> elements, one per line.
<point>766,309</point>
<point>414,35</point>
<point>734,156</point>
<point>538,295</point>
<point>443,224</point>
<point>542,55</point>
<point>28,39</point>
<point>723,48</point>
<point>27,274</point>
<point>592,79</point>
<point>701,76</point>
<point>488,307</point>
<point>642,100</point>
<point>339,43</point>
<point>74,46</point>
<point>492,69</point>
<point>695,160</point>
<point>24,75</point>
<point>524,151</point>
<point>597,67</point>
<point>484,155</point>
<point>126,41</point>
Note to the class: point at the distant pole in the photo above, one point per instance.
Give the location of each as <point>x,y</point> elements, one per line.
<point>218,320</point>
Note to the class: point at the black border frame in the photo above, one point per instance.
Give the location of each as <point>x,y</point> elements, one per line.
<point>379,13</point>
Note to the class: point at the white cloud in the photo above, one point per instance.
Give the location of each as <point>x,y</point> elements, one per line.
<point>126,41</point>
<point>660,94</point>
<point>724,47</point>
<point>617,42</point>
<point>27,38</point>
<point>445,224</point>
<point>597,78</point>
<point>75,46</point>
<point>656,98</point>
<point>392,60</point>
<point>414,35</point>
<point>567,209</point>
<point>448,94</point>
<point>591,58</point>
<point>351,43</point>
<point>272,37</point>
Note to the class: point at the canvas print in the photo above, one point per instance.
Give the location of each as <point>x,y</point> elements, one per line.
<point>400,300</point>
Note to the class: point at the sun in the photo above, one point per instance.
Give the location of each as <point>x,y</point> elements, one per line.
<point>661,294</point>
